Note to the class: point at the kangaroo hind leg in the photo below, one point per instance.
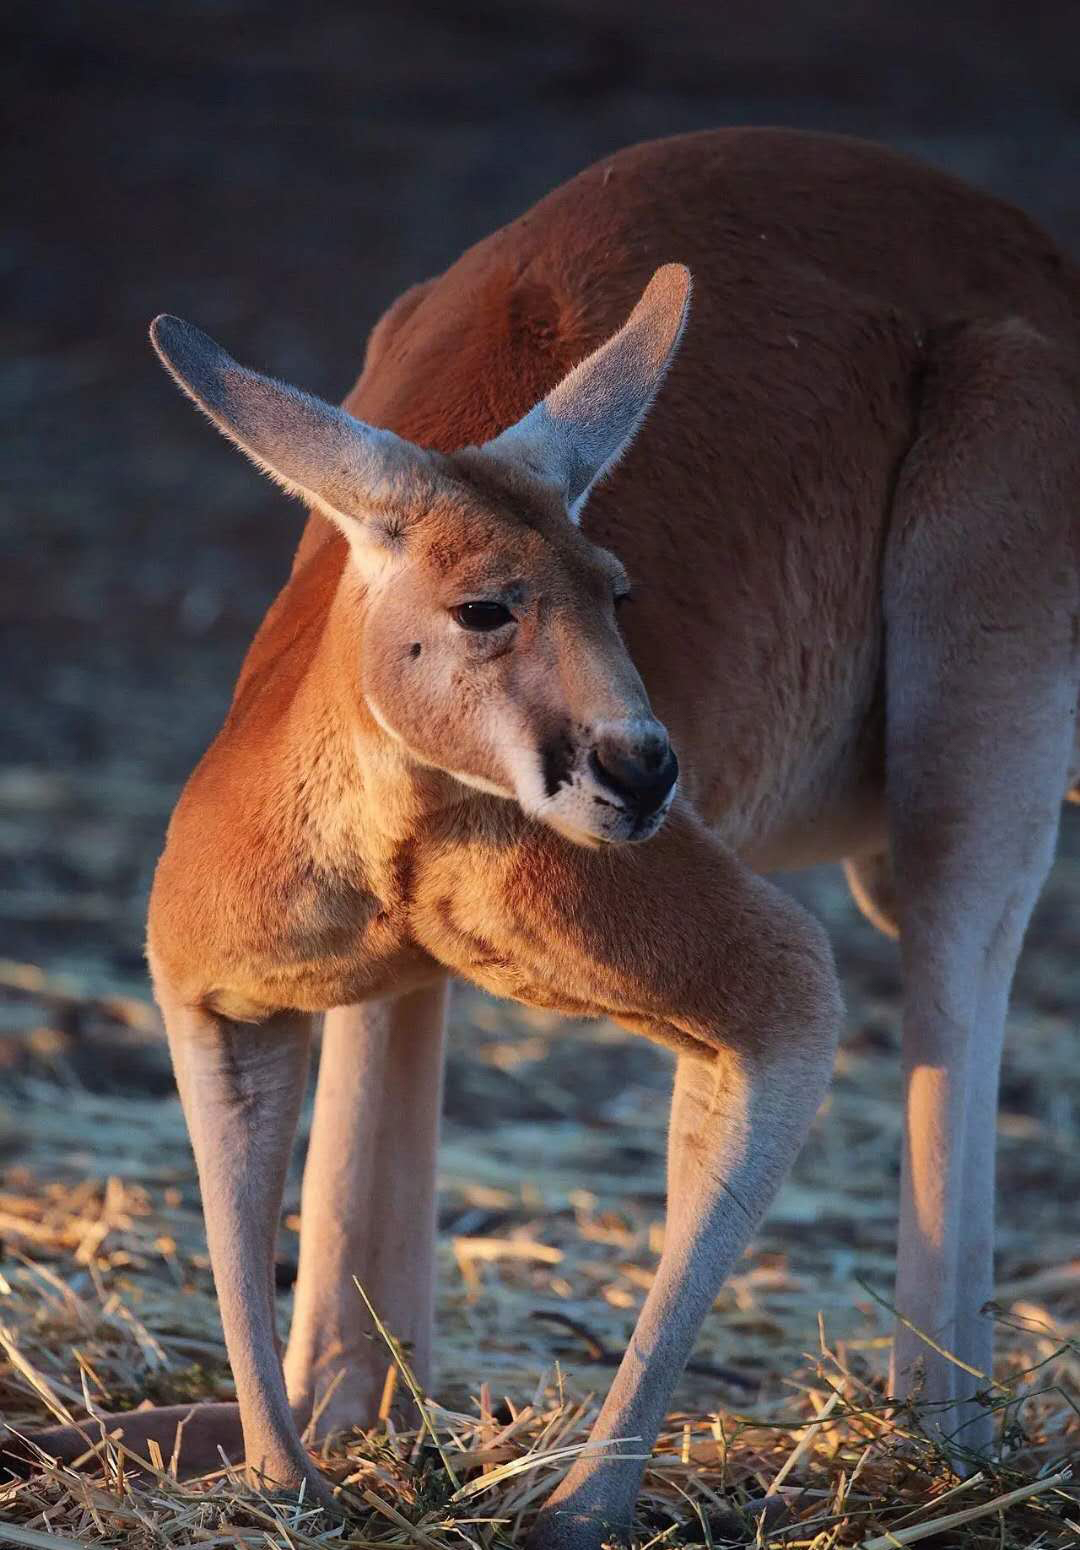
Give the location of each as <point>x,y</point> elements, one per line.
<point>368,1208</point>
<point>981,599</point>
<point>241,1089</point>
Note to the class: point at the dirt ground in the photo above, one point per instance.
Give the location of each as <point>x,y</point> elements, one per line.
<point>279,174</point>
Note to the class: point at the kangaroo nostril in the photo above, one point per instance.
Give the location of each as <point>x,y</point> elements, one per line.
<point>641,773</point>
<point>608,772</point>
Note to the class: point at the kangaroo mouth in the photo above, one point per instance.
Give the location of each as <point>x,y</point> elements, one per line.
<point>608,791</point>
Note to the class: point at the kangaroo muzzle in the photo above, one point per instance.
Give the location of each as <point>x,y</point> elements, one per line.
<point>639,770</point>
<point>609,783</point>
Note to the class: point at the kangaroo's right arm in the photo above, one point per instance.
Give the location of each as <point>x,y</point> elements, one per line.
<point>675,939</point>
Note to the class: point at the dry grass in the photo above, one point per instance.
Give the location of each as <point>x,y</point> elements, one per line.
<point>551,1207</point>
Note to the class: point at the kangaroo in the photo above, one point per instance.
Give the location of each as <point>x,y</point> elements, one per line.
<point>610,602</point>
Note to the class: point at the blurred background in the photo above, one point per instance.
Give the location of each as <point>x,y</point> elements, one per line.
<point>279,174</point>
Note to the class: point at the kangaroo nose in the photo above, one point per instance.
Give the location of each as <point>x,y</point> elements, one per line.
<point>639,769</point>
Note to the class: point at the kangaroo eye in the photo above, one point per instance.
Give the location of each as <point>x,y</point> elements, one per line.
<point>481,616</point>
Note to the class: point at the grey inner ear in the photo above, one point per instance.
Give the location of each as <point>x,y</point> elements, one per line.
<point>313,449</point>
<point>587,421</point>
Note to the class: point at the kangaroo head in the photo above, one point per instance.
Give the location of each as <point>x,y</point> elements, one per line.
<point>487,644</point>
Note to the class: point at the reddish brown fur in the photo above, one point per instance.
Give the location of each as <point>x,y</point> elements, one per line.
<point>751,515</point>
<point>850,519</point>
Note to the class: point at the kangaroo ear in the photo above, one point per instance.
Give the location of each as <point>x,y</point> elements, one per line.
<point>355,474</point>
<point>585,424</point>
